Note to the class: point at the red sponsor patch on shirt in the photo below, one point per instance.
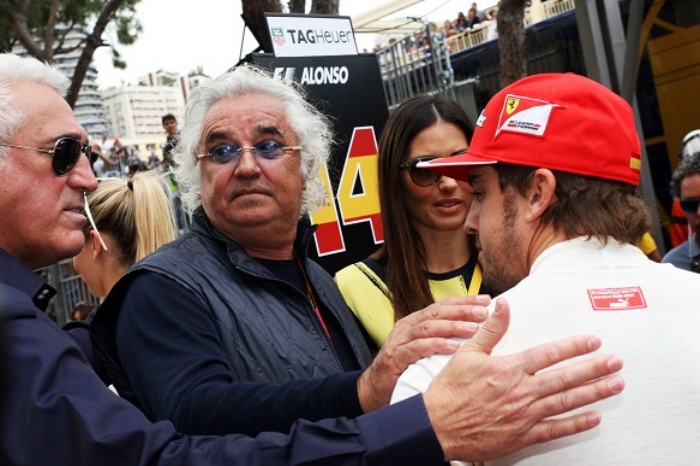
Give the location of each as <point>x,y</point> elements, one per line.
<point>617,299</point>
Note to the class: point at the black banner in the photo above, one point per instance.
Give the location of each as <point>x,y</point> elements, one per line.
<point>349,90</point>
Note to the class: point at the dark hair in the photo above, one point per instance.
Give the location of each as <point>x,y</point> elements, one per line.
<point>688,166</point>
<point>586,206</point>
<point>168,117</point>
<point>403,251</point>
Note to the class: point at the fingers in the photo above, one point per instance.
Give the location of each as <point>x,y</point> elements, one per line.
<point>411,352</point>
<point>421,334</point>
<point>560,390</point>
<point>451,317</point>
<point>557,428</point>
<point>591,382</point>
<point>378,381</point>
<point>576,374</point>
<point>455,308</point>
<point>493,329</point>
<point>431,329</point>
<point>548,354</point>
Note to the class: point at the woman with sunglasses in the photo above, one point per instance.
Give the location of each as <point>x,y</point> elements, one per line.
<point>128,221</point>
<point>426,255</point>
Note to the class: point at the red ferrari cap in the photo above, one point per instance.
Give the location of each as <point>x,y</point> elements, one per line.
<point>563,122</point>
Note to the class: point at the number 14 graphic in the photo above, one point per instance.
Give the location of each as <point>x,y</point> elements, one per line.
<point>357,199</point>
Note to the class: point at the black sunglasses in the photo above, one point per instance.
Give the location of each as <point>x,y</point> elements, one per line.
<point>421,176</point>
<point>690,205</point>
<point>65,152</point>
<point>264,150</point>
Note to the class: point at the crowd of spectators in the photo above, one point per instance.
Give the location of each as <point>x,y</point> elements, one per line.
<point>475,19</point>
<point>111,158</point>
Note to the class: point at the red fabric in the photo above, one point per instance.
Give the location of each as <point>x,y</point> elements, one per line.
<point>678,228</point>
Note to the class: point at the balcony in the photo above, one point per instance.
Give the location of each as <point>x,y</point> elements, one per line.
<point>409,66</point>
<point>486,30</point>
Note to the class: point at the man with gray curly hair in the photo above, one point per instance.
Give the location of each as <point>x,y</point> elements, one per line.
<point>270,338</point>
<point>232,328</point>
<point>312,130</point>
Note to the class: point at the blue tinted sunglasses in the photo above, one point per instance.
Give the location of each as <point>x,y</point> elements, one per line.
<point>265,150</point>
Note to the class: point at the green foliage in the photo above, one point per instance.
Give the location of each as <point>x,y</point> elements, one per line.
<point>41,25</point>
<point>128,29</point>
<point>117,61</point>
<point>71,14</point>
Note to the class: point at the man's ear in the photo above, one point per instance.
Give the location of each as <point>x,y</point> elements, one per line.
<point>540,194</point>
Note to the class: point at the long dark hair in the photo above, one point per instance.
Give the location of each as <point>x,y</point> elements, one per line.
<point>403,252</point>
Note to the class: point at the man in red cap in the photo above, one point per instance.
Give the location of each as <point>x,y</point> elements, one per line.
<point>554,164</point>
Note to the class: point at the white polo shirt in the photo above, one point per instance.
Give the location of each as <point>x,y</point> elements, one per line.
<point>647,313</point>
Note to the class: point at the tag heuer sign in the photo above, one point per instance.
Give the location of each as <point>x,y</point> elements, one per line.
<point>311,35</point>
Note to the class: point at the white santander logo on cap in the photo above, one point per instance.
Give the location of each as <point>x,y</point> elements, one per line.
<point>525,115</point>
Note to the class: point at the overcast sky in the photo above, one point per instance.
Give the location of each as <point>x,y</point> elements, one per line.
<point>180,36</point>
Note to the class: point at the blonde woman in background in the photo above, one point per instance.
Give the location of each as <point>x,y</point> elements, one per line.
<point>130,220</point>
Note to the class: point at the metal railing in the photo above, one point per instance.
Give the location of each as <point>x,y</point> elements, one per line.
<point>471,37</point>
<point>545,10</point>
<point>410,67</point>
<point>418,64</point>
<point>71,290</point>
<point>557,7</point>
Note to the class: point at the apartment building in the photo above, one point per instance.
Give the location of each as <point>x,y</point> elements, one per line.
<point>88,108</point>
<point>135,111</point>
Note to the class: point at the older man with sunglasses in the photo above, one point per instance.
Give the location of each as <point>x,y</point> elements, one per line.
<point>54,408</point>
<point>232,328</point>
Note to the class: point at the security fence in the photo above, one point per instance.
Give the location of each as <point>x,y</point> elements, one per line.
<point>417,64</point>
<point>71,291</point>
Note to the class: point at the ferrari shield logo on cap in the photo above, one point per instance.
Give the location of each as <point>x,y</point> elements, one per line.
<point>525,115</point>
<point>511,105</point>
